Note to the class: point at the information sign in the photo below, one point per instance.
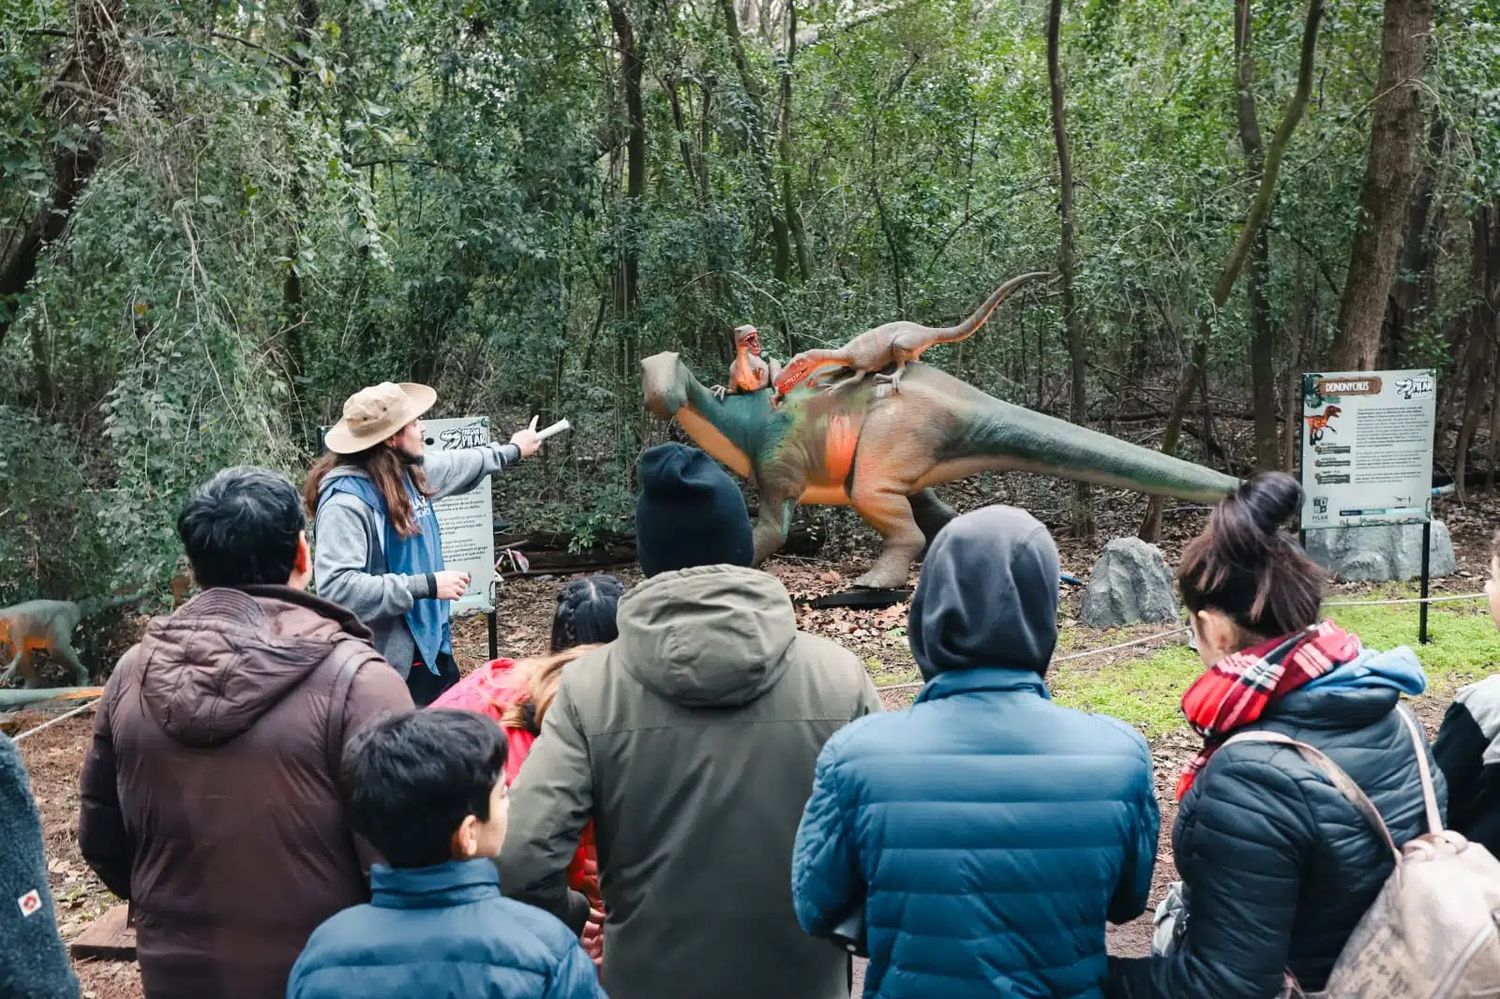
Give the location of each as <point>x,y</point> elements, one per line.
<point>1367,448</point>
<point>466,521</point>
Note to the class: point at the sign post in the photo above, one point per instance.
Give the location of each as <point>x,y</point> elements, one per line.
<point>1367,441</point>
<point>467,522</point>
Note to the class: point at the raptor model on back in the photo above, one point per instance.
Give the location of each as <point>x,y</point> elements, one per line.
<point>878,451</point>
<point>897,343</point>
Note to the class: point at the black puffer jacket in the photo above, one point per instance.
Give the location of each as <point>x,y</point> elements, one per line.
<point>1279,866</point>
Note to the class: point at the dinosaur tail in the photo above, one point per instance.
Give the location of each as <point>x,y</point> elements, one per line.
<point>93,605</point>
<point>965,329</point>
<point>998,435</point>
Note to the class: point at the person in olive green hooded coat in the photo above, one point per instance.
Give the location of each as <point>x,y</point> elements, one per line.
<point>690,741</point>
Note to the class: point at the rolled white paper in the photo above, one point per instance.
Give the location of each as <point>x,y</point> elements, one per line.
<point>556,428</point>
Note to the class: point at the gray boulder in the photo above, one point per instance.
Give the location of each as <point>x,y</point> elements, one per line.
<point>1378,554</point>
<point>1130,584</point>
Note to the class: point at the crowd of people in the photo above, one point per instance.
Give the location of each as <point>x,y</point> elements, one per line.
<point>688,796</point>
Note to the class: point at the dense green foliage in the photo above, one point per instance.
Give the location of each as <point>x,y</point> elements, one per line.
<point>288,199</point>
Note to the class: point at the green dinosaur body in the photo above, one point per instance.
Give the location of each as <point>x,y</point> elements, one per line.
<point>863,445</point>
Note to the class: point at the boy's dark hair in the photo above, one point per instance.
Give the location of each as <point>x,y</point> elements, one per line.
<point>240,528</point>
<point>411,779</point>
<point>586,612</point>
<point>1244,565</point>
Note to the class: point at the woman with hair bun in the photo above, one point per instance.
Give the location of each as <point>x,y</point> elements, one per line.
<point>518,694</point>
<point>1277,866</point>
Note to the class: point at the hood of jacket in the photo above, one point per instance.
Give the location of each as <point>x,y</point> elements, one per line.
<point>987,595</point>
<point>1369,689</point>
<point>707,636</point>
<point>228,655</point>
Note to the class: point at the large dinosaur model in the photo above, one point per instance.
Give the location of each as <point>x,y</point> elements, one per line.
<point>898,343</point>
<point>46,626</point>
<point>749,371</point>
<point>862,445</point>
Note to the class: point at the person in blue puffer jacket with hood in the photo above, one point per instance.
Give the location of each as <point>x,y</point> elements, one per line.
<point>986,832</point>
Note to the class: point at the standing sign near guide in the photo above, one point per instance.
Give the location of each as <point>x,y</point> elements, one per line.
<point>379,546</point>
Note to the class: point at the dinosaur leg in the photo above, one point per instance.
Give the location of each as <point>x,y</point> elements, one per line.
<point>80,672</point>
<point>10,671</point>
<point>885,507</point>
<point>894,377</point>
<point>930,513</point>
<point>772,522</point>
<point>853,379</point>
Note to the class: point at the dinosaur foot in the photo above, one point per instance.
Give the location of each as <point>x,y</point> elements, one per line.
<point>882,579</point>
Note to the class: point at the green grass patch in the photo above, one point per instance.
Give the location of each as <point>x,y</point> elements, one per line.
<point>1145,691</point>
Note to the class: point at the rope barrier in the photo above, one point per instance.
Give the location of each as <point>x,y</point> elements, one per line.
<point>62,717</point>
<point>1177,631</point>
<point>1407,600</point>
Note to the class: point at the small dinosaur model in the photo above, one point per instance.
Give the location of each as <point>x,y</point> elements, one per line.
<point>881,452</point>
<point>46,626</point>
<point>897,343</point>
<point>750,371</point>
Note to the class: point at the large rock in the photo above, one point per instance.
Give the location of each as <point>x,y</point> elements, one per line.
<point>1378,554</point>
<point>1130,584</point>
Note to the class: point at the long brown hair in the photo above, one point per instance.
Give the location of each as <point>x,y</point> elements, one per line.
<point>386,470</point>
<point>1245,566</point>
<point>541,676</point>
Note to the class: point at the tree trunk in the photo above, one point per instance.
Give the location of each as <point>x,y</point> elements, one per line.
<point>1415,272</point>
<point>82,96</point>
<point>1082,514</point>
<point>1262,336</point>
<point>784,149</point>
<point>1390,171</point>
<point>1483,327</point>
<point>293,316</point>
<point>1224,284</point>
<point>756,129</point>
<point>627,288</point>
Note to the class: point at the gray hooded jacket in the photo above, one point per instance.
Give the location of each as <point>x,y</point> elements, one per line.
<point>349,537</point>
<point>690,742</point>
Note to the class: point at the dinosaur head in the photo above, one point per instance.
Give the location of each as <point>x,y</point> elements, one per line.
<point>798,370</point>
<point>664,384</point>
<point>748,337</point>
<point>1332,411</point>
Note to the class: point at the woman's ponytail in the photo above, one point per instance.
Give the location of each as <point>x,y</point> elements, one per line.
<point>1246,566</point>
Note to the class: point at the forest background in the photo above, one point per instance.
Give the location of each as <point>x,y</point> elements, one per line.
<point>218,219</point>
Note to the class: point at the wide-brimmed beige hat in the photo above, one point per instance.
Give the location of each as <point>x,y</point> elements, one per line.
<point>373,414</point>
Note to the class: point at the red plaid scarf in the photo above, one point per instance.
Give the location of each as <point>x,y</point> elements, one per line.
<point>1236,690</point>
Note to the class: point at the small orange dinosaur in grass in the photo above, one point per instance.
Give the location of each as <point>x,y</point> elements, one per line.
<point>1317,424</point>
<point>897,343</point>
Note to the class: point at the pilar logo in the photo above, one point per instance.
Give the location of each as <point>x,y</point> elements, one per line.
<point>473,435</point>
<point>1414,387</point>
<point>30,902</point>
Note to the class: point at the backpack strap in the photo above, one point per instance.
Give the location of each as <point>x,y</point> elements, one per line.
<point>1341,781</point>
<point>1429,792</point>
<point>348,657</point>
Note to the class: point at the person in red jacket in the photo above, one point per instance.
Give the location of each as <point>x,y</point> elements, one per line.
<point>518,694</point>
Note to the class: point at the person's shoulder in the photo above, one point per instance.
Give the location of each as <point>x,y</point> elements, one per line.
<point>358,926</point>
<point>1105,733</point>
<point>826,656</point>
<point>1482,701</point>
<point>514,933</point>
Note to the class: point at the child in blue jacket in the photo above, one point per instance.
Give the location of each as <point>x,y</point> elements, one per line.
<point>427,789</point>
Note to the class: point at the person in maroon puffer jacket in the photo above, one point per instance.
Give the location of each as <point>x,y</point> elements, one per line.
<point>210,794</point>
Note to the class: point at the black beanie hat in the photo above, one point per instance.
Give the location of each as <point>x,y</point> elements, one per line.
<point>689,512</point>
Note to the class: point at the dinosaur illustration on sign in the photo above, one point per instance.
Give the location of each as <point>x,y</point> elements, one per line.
<point>862,445</point>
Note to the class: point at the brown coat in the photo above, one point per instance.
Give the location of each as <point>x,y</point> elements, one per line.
<point>209,800</point>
